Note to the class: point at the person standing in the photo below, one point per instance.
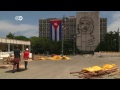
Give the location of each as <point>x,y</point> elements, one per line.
<point>26,57</point>
<point>16,59</point>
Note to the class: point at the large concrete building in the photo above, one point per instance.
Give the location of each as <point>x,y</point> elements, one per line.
<point>44,27</point>
<point>68,23</point>
<point>87,27</point>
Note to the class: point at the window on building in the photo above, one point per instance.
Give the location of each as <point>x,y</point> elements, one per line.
<point>104,28</point>
<point>104,24</point>
<point>104,20</point>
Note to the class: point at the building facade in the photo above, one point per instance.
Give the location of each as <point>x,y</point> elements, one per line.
<point>69,27</point>
<point>86,40</point>
<point>103,28</point>
<point>44,27</point>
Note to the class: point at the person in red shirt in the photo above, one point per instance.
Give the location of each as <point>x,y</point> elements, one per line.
<point>26,57</point>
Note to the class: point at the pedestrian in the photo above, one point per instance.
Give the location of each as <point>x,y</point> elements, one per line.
<point>26,57</point>
<point>16,59</point>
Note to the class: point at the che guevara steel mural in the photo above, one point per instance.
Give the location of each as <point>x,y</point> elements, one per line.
<point>86,27</point>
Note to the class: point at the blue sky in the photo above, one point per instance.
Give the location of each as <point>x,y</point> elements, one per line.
<point>29,26</point>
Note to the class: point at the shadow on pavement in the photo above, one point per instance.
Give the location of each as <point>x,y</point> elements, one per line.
<point>11,71</point>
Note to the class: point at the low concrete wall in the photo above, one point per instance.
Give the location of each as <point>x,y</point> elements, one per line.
<point>35,57</point>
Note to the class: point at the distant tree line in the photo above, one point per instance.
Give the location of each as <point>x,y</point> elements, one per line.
<point>110,43</point>
<point>45,45</point>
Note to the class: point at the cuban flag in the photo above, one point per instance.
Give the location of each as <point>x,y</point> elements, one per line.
<point>55,30</point>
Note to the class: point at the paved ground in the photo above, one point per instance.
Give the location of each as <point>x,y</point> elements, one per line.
<point>48,69</point>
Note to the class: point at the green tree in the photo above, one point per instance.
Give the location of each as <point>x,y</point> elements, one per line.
<point>68,47</point>
<point>110,42</point>
<point>10,35</point>
<point>21,38</point>
<point>34,44</point>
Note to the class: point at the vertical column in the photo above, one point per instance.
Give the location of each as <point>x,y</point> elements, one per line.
<point>23,48</point>
<point>30,48</point>
<point>22,51</point>
<point>8,47</point>
<point>13,47</point>
<point>30,55</point>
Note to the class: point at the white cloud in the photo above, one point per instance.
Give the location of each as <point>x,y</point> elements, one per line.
<point>27,33</point>
<point>115,24</point>
<point>23,29</point>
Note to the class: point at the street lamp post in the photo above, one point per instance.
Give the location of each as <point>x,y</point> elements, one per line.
<point>74,45</point>
<point>74,40</point>
<point>115,43</point>
<point>62,39</point>
<point>63,28</point>
<point>118,40</point>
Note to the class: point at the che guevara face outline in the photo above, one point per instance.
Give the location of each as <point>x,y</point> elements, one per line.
<point>86,24</point>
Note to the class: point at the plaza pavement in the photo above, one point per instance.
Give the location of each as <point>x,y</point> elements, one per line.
<point>60,69</point>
